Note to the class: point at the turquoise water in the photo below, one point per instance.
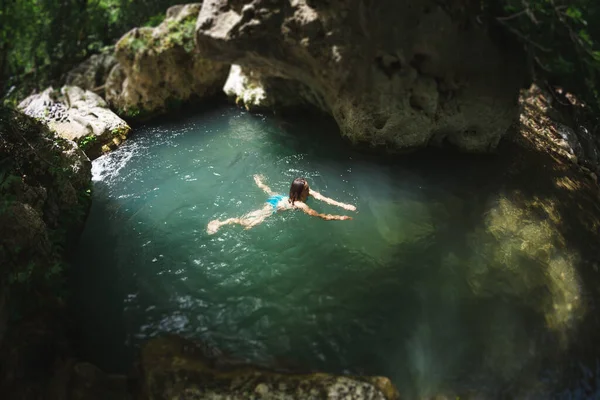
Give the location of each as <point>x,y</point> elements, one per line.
<point>391,292</point>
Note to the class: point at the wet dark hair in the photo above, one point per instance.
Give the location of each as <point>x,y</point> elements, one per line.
<point>297,189</point>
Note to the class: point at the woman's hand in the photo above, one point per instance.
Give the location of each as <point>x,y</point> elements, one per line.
<point>213,227</point>
<point>327,200</point>
<point>330,217</point>
<point>258,179</point>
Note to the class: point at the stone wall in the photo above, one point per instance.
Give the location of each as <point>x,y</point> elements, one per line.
<point>399,73</point>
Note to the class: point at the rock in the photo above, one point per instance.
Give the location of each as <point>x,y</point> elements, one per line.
<point>519,232</point>
<point>256,92</point>
<point>88,382</point>
<point>172,367</point>
<point>159,68</point>
<point>245,88</point>
<point>45,186</point>
<point>78,115</point>
<point>565,129</point>
<point>399,73</point>
<point>93,72</point>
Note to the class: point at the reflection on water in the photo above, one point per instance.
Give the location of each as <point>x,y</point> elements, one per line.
<point>444,281</point>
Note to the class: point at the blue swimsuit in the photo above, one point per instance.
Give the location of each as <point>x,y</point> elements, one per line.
<point>274,200</point>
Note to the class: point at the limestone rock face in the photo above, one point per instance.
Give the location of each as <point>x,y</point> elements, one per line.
<point>401,73</point>
<point>78,115</point>
<point>93,72</point>
<point>174,368</point>
<point>256,92</point>
<point>159,68</point>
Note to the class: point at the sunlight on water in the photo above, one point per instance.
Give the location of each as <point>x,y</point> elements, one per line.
<point>439,282</point>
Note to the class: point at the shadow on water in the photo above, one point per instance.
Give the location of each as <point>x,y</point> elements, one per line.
<point>99,277</point>
<point>495,248</point>
<point>553,349</point>
<point>567,202</point>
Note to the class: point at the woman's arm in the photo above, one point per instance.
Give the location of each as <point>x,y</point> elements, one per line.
<point>313,213</point>
<point>260,184</point>
<point>327,200</point>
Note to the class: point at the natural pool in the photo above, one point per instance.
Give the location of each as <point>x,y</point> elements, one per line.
<point>438,282</point>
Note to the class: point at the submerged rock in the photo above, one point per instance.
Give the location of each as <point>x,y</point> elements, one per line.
<point>78,115</point>
<point>520,232</point>
<point>172,367</point>
<point>159,68</point>
<point>403,74</point>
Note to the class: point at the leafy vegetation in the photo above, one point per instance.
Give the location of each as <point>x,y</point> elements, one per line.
<point>180,33</point>
<point>87,141</point>
<point>31,159</point>
<point>120,132</point>
<point>42,39</point>
<point>560,38</point>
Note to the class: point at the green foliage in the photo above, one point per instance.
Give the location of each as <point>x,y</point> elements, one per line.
<point>137,45</point>
<point>33,158</point>
<point>155,20</point>
<point>42,39</point>
<point>180,34</point>
<point>87,141</point>
<point>561,39</point>
<point>122,131</point>
<point>132,112</point>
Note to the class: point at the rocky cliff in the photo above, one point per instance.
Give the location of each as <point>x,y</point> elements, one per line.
<point>44,198</point>
<point>159,68</point>
<point>403,74</point>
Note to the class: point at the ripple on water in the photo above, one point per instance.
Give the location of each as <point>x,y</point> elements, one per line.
<point>436,283</point>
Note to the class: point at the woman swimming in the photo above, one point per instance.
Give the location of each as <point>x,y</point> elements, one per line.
<point>299,192</point>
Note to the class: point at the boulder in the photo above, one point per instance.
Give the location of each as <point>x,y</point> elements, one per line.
<point>403,74</point>
<point>159,68</point>
<point>175,368</point>
<point>78,115</point>
<point>93,72</point>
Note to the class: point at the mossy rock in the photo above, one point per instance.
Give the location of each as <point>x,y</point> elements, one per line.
<point>159,68</point>
<point>173,367</point>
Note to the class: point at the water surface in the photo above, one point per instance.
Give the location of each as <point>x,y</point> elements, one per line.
<point>419,287</point>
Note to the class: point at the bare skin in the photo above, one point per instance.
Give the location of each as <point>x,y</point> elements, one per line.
<point>254,218</point>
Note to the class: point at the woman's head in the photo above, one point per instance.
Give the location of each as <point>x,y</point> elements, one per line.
<point>299,190</point>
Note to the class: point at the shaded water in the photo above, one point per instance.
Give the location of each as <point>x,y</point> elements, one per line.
<point>438,283</point>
